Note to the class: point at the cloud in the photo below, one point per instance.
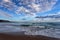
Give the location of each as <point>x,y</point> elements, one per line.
<point>58,13</point>
<point>34,6</point>
<point>25,11</point>
<point>6,0</point>
<point>48,19</point>
<point>8,5</point>
<point>5,14</point>
<point>41,6</point>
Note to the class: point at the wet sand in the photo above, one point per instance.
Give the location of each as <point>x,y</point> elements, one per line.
<point>24,37</point>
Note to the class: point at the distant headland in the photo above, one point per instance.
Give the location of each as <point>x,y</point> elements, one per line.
<point>4,21</point>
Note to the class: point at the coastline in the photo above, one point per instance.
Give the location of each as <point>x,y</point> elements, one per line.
<point>25,37</point>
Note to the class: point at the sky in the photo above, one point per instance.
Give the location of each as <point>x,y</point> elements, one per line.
<point>27,10</point>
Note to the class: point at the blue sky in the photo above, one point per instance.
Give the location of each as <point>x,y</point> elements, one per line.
<point>16,11</point>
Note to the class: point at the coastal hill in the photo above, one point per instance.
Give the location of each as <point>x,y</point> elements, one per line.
<point>4,21</point>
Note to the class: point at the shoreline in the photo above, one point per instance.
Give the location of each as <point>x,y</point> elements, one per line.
<point>25,37</point>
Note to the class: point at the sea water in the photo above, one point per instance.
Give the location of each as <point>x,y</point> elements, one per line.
<point>51,29</point>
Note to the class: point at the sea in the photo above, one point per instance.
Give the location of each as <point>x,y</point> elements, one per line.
<point>50,29</point>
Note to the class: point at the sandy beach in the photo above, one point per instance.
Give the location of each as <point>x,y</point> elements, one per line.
<point>24,37</point>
